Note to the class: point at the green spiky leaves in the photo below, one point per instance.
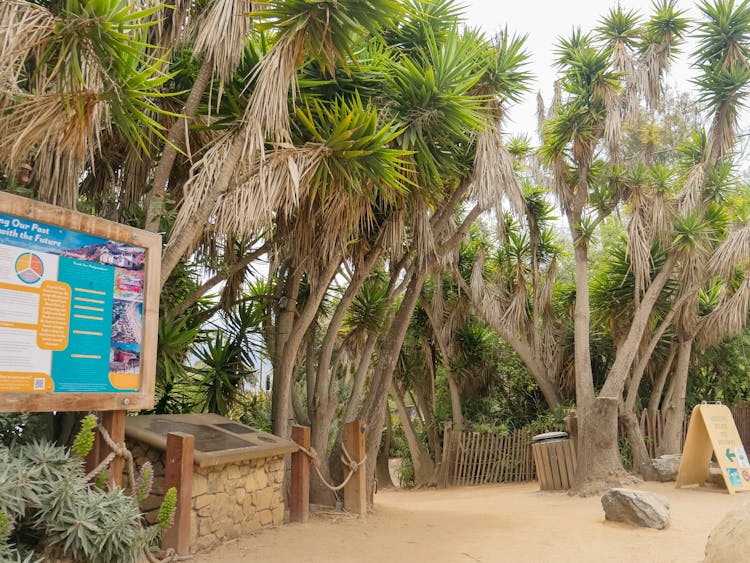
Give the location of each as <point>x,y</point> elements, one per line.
<point>84,441</point>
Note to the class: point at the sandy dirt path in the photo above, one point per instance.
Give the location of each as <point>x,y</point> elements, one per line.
<point>493,523</point>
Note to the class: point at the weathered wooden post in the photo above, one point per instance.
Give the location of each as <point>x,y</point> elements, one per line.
<point>114,423</point>
<point>178,473</point>
<point>355,491</point>
<point>299,491</point>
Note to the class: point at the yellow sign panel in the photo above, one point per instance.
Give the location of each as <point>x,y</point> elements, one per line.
<point>712,431</point>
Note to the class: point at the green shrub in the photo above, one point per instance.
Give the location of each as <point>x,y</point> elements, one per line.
<point>47,510</point>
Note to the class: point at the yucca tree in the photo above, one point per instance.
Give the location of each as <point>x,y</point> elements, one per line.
<point>704,231</point>
<point>321,30</point>
<point>580,150</point>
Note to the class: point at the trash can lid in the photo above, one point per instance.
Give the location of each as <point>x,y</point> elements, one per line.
<point>550,436</point>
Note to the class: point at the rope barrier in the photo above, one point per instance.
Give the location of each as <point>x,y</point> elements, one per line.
<point>346,459</point>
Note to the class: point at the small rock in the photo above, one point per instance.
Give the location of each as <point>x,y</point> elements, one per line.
<point>647,510</point>
<point>731,537</point>
<point>663,468</point>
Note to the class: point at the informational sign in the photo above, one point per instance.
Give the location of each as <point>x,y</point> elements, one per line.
<point>712,431</point>
<point>78,310</point>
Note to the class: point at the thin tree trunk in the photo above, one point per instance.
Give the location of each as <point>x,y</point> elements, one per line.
<point>638,448</point>
<point>656,392</point>
<point>285,321</point>
<point>283,375</point>
<point>373,409</point>
<point>424,466</point>
<point>671,441</point>
<point>176,141</point>
<point>353,404</point>
<point>383,469</point>
<point>458,417</point>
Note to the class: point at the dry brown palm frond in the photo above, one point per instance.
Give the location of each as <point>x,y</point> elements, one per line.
<point>516,315</point>
<point>639,242</point>
<point>541,115</point>
<point>137,168</point>
<point>476,282</point>
<point>173,29</point>
<point>422,238</point>
<point>728,319</point>
<point>24,27</point>
<point>691,195</point>
<point>722,134</point>
<point>654,65</point>
<point>733,252</point>
<point>437,303</point>
<point>494,175</point>
<point>221,35</point>
<point>58,174</point>
<point>450,258</point>
<point>263,191</point>
<point>626,64</point>
<point>660,210</point>
<point>394,234</point>
<point>559,183</point>
<point>556,100</point>
<point>266,115</point>
<point>69,123</point>
<point>612,122</point>
<point>203,177</point>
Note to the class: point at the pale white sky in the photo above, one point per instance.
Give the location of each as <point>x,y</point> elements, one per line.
<point>545,20</point>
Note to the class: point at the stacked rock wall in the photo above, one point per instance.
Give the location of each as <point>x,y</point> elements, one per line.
<point>229,501</point>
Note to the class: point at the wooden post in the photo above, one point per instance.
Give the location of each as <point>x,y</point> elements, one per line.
<point>355,491</point>
<point>299,492</point>
<point>114,423</point>
<point>178,473</point>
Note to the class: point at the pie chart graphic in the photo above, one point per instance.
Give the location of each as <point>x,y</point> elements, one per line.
<point>29,268</point>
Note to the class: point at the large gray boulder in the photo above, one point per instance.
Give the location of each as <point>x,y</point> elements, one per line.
<point>639,508</point>
<point>729,541</point>
<point>663,468</point>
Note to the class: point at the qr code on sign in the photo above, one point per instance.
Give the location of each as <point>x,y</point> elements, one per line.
<point>38,384</point>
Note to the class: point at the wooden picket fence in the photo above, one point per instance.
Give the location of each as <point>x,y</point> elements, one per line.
<point>652,426</point>
<point>473,458</point>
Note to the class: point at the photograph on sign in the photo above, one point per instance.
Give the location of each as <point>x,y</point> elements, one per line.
<point>739,452</point>
<point>72,310</point>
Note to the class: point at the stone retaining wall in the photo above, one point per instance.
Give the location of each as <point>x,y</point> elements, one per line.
<point>229,500</point>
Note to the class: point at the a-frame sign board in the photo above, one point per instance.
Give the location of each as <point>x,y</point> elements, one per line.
<point>712,430</point>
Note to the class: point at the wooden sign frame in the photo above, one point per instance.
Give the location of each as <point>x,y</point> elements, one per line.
<point>712,431</point>
<point>143,397</point>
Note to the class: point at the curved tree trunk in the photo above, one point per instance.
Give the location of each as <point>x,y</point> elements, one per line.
<point>281,402</point>
<point>671,441</point>
<point>424,466</point>
<point>176,141</point>
<point>638,448</point>
<point>382,467</point>
<point>656,392</point>
<point>373,410</point>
